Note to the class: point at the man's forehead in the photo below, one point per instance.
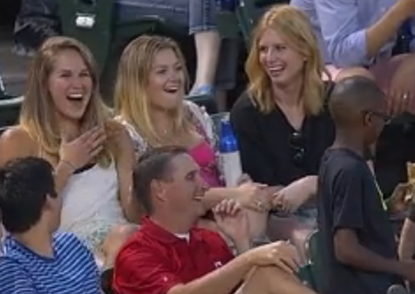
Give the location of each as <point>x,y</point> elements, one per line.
<point>184,163</point>
<point>379,104</point>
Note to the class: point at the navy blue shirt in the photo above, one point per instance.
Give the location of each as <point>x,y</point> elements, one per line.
<point>349,199</point>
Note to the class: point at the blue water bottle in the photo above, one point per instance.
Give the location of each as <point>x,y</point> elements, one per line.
<point>229,154</point>
<point>227,5</point>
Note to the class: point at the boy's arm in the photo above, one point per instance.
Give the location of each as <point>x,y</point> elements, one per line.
<point>349,251</point>
<point>350,214</point>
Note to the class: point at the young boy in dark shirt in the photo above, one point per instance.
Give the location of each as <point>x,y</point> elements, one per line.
<point>358,248</point>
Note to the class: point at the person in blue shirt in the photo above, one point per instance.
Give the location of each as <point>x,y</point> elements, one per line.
<point>362,34</point>
<point>34,258</point>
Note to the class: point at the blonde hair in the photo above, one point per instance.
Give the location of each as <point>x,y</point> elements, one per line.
<point>132,101</point>
<point>295,28</point>
<point>37,115</point>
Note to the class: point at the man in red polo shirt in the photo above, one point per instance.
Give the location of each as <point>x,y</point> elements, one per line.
<point>168,255</point>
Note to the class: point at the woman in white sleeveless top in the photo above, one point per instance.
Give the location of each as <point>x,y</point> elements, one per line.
<point>64,121</point>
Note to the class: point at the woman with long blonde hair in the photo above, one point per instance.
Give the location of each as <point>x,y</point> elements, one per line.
<point>64,121</point>
<point>281,122</point>
<point>149,95</point>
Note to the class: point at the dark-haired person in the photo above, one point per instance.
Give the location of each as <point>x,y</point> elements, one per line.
<point>358,247</point>
<point>34,258</point>
<point>169,255</point>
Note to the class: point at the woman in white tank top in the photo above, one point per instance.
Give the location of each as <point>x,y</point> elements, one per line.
<point>64,121</point>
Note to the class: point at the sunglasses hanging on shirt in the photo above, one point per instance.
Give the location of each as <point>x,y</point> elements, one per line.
<point>297,145</point>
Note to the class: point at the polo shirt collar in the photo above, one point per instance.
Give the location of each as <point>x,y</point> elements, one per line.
<point>157,232</point>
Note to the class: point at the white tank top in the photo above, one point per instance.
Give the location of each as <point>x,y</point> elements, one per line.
<point>91,197</point>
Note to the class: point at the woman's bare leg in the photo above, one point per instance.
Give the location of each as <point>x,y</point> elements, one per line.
<point>292,229</point>
<point>202,25</point>
<point>207,51</point>
<point>272,280</point>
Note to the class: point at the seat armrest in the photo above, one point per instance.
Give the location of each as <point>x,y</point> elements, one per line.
<point>206,101</point>
<point>11,101</point>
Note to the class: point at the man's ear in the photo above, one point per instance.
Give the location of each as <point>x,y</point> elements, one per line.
<point>158,189</point>
<point>48,203</point>
<point>367,119</point>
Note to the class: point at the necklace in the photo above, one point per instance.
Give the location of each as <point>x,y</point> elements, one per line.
<point>168,135</point>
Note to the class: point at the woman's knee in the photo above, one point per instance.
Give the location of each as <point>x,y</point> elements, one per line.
<point>337,74</point>
<point>352,72</point>
<point>269,279</point>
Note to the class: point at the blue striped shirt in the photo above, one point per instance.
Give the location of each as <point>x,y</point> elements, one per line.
<point>71,270</point>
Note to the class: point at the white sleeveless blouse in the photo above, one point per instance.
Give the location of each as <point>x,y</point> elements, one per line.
<point>91,205</point>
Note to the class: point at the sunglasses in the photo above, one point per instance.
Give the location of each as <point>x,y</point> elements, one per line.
<point>296,142</point>
<point>386,118</point>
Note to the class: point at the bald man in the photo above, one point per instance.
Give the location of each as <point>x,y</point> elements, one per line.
<point>359,252</point>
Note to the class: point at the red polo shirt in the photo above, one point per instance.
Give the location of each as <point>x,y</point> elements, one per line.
<point>154,260</point>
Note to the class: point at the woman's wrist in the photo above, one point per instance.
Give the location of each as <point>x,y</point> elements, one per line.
<point>233,192</point>
<point>66,166</point>
<point>310,182</point>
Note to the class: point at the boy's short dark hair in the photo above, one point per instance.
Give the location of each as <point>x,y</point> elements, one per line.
<point>153,165</point>
<point>351,96</point>
<point>25,184</point>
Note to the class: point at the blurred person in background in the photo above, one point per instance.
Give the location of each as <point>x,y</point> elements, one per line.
<point>361,35</point>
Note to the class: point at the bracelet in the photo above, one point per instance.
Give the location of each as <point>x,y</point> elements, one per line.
<point>68,163</point>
